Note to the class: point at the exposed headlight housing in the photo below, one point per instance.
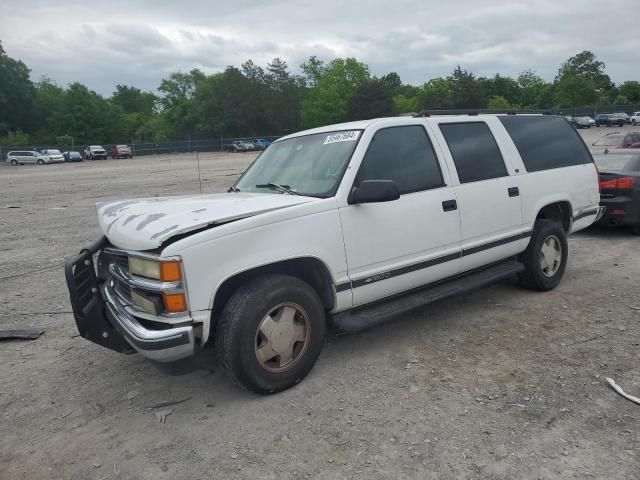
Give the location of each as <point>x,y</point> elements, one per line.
<point>165,271</point>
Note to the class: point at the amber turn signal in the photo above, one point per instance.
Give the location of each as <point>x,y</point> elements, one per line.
<point>174,302</point>
<point>170,272</point>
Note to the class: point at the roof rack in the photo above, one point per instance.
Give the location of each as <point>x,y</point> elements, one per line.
<point>429,113</point>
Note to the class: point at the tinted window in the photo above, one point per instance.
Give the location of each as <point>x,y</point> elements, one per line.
<point>546,142</point>
<point>474,151</point>
<point>404,155</point>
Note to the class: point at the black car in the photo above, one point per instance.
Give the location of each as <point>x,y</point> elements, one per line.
<point>620,188</point>
<point>610,119</point>
<point>581,122</point>
<point>72,156</point>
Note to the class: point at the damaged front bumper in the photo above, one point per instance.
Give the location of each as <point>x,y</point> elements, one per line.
<point>103,316</point>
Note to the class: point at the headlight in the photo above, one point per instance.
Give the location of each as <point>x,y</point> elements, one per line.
<point>169,271</point>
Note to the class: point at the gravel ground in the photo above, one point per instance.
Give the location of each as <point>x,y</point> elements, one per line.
<point>499,383</point>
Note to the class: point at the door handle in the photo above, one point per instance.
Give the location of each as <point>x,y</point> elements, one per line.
<point>449,205</point>
<point>514,191</point>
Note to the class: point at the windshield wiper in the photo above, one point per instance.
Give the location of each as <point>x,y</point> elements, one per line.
<point>280,188</point>
<point>233,189</point>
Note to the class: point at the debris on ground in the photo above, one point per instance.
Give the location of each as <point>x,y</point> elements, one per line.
<point>167,403</point>
<point>132,394</point>
<point>617,388</point>
<point>162,415</point>
<point>20,334</point>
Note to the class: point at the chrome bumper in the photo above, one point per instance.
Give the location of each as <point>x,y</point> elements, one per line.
<point>160,345</point>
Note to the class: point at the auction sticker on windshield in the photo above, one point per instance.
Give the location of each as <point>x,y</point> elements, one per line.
<point>350,136</point>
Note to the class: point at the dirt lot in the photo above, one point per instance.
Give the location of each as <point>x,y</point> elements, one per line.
<point>500,383</point>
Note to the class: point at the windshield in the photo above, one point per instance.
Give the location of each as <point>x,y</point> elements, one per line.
<point>613,139</point>
<point>310,165</point>
<point>616,163</point>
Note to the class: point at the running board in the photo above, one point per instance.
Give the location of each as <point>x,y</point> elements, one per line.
<point>384,310</point>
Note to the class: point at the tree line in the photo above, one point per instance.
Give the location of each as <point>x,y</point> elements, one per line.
<point>252,100</point>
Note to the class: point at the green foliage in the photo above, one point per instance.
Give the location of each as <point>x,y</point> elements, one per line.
<point>436,94</point>
<point>328,101</point>
<point>255,101</point>
<point>403,104</point>
<point>16,94</point>
<point>631,90</point>
<point>15,139</point>
<point>465,90</point>
<point>499,102</point>
<point>371,99</point>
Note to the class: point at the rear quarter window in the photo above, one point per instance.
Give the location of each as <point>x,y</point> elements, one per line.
<point>546,142</point>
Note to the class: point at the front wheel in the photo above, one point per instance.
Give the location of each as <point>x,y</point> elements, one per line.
<point>14,162</point>
<point>270,333</point>
<point>40,162</point>
<point>545,259</point>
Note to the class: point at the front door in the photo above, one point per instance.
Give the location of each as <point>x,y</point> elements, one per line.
<point>399,245</point>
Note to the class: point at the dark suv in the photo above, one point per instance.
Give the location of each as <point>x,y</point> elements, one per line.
<point>610,119</point>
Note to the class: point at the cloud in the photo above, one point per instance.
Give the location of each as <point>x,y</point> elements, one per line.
<point>104,43</point>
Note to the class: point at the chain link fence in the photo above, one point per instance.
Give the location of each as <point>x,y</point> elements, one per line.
<point>150,148</point>
<point>224,144</point>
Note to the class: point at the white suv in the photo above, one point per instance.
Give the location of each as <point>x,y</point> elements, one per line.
<point>635,118</point>
<point>352,223</point>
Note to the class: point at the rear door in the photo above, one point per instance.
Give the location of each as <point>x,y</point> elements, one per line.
<point>488,192</point>
<point>29,157</point>
<point>399,245</point>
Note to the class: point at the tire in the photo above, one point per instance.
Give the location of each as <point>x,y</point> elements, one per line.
<point>252,311</point>
<point>40,162</point>
<point>633,122</point>
<point>534,277</point>
<point>14,162</point>
<point>635,229</point>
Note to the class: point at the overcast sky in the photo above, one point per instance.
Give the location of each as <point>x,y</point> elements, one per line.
<point>104,43</point>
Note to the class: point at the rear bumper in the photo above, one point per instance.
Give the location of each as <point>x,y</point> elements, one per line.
<point>102,318</point>
<point>620,211</point>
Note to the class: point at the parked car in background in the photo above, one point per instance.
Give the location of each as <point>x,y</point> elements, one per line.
<point>95,152</point>
<point>261,144</point>
<point>635,118</point>
<point>343,225</point>
<point>620,188</point>
<point>55,156</point>
<point>23,157</point>
<point>615,140</point>
<point>72,156</point>
<point>121,151</point>
<point>238,146</point>
<point>614,119</point>
<point>581,122</point>
<point>250,146</point>
<point>592,122</point>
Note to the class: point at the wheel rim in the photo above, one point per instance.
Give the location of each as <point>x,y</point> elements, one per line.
<point>550,256</point>
<point>282,337</point>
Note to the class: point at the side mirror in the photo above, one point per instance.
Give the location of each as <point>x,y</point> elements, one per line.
<point>374,191</point>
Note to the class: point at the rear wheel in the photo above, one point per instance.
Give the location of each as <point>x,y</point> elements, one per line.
<point>635,229</point>
<point>545,259</point>
<point>270,333</point>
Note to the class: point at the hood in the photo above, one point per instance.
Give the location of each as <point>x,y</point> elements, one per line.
<point>145,223</point>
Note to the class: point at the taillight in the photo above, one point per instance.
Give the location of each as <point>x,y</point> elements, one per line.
<point>626,183</point>
<point>620,183</point>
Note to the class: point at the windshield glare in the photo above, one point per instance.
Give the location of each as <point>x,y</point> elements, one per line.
<point>310,165</point>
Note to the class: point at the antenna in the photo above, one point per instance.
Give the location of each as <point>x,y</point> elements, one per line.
<point>199,177</point>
